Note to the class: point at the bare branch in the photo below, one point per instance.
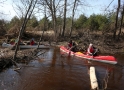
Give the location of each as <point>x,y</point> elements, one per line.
<point>109,5</point>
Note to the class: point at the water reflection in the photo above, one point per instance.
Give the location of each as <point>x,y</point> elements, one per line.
<point>53,71</point>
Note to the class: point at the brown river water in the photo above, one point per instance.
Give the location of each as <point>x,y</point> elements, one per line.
<point>52,71</point>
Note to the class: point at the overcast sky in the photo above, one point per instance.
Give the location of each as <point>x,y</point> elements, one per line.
<point>97,7</point>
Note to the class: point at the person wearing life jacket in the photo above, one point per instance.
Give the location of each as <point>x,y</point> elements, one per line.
<point>91,50</point>
<point>69,44</point>
<point>32,41</point>
<point>12,41</point>
<point>72,46</point>
<point>20,42</point>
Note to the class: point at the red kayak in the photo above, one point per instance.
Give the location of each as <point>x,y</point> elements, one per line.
<point>105,59</point>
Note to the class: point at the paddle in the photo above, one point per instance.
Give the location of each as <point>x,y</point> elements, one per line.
<point>70,51</point>
<point>93,54</point>
<point>73,47</point>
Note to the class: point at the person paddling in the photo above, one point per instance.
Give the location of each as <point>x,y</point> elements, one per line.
<point>72,46</point>
<point>92,51</point>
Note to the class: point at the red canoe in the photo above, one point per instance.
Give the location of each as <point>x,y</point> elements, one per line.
<point>105,59</point>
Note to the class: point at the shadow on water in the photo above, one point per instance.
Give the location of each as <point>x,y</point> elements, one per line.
<point>53,71</point>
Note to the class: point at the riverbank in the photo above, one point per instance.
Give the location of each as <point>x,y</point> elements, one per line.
<point>25,55</point>
<point>6,57</point>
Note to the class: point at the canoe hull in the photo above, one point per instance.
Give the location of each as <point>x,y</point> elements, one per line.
<point>33,46</point>
<point>104,59</point>
<point>25,46</point>
<point>63,49</point>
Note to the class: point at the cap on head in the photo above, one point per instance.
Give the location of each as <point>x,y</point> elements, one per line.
<point>91,44</point>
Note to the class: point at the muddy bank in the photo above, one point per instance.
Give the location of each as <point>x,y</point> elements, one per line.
<point>23,56</point>
<point>103,41</point>
<point>6,57</point>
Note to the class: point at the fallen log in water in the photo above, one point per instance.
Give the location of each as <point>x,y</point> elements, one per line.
<point>93,79</point>
<point>6,57</point>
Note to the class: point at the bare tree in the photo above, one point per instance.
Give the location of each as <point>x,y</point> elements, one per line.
<point>64,18</point>
<point>2,13</point>
<point>73,13</point>
<point>21,7</point>
<point>116,23</point>
<point>122,15</point>
<point>53,5</point>
<point>27,16</point>
<point>44,25</point>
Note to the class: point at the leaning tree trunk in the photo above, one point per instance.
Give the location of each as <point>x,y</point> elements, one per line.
<point>29,11</point>
<point>116,23</point>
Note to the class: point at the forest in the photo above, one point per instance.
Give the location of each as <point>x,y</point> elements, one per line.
<point>59,23</point>
<point>52,24</point>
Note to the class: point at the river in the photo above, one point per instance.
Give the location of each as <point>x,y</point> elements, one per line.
<point>53,71</point>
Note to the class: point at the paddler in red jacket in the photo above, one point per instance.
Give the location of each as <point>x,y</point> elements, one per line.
<point>91,50</point>
<point>72,46</point>
<point>69,44</point>
<point>32,41</point>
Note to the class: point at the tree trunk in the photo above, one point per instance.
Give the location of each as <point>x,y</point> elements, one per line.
<point>64,19</point>
<point>116,23</point>
<point>29,11</point>
<point>43,29</point>
<point>122,14</point>
<point>52,8</point>
<point>72,22</point>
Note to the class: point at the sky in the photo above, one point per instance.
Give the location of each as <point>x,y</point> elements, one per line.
<point>99,6</point>
<point>7,10</point>
<point>95,6</point>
